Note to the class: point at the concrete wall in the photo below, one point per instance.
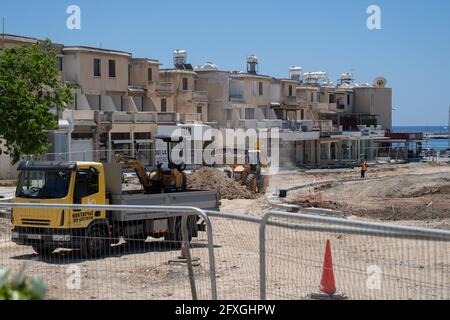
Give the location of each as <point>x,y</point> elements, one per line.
<point>182,100</point>
<point>81,69</point>
<point>375,101</point>
<point>7,171</point>
<point>217,84</point>
<point>139,72</point>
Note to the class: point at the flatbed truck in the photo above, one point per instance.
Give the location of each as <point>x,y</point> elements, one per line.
<point>91,231</point>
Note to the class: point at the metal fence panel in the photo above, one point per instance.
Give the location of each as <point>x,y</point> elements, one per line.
<point>133,268</point>
<point>370,260</point>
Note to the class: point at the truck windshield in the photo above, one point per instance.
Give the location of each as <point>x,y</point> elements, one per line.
<point>43,184</point>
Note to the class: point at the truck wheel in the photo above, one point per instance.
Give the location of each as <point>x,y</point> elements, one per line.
<point>96,243</point>
<point>251,183</point>
<point>175,238</point>
<point>42,250</point>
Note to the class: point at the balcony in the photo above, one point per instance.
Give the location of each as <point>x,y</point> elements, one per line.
<point>263,124</point>
<point>326,127</point>
<point>269,124</point>
<point>289,100</point>
<point>200,96</point>
<point>165,88</point>
<point>169,117</point>
<point>190,117</point>
<point>319,107</point>
<point>128,117</point>
<point>82,117</point>
<point>145,117</point>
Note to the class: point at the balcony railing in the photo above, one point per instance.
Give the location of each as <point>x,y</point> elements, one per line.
<point>165,87</point>
<point>128,117</point>
<point>289,100</point>
<point>323,125</point>
<point>191,117</point>
<point>168,117</point>
<point>200,95</point>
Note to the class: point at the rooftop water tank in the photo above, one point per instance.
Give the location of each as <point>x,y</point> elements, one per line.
<point>295,73</point>
<point>179,57</point>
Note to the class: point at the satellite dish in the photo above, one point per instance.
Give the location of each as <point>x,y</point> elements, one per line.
<point>380,82</point>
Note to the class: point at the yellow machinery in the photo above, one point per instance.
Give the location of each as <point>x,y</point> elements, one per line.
<point>252,175</point>
<point>159,180</point>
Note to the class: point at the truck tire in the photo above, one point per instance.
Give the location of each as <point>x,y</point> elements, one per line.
<point>175,238</point>
<point>251,183</point>
<point>96,243</point>
<point>43,250</point>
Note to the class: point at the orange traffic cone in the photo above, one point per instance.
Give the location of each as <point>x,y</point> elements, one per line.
<point>327,285</point>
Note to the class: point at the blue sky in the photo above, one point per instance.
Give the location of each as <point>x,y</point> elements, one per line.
<point>412,50</point>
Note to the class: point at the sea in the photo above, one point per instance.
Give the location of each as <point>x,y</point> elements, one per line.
<point>436,144</point>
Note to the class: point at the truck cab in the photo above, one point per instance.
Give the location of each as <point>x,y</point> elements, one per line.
<point>58,183</point>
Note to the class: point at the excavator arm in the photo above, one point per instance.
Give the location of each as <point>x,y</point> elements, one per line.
<point>136,164</point>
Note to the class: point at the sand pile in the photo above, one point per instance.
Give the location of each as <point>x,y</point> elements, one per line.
<point>213,179</point>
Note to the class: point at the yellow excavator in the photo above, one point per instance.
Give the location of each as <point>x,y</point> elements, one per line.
<point>252,175</point>
<point>158,180</point>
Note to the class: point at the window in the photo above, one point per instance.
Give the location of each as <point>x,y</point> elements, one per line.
<point>150,74</point>
<point>86,184</point>
<point>121,136</point>
<point>97,71</point>
<point>112,68</point>
<point>249,114</point>
<point>302,114</point>
<point>43,184</point>
<point>199,109</point>
<point>290,91</point>
<point>312,96</point>
<point>163,105</point>
<point>142,136</point>
<point>332,98</point>
<point>185,84</point>
<point>348,99</point>
<point>261,89</point>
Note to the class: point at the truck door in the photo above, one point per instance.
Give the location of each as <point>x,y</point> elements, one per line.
<point>87,191</point>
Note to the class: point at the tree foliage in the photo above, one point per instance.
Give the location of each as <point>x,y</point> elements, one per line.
<point>30,89</point>
<point>17,286</point>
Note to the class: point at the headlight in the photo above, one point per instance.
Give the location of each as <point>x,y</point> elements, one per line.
<point>15,235</point>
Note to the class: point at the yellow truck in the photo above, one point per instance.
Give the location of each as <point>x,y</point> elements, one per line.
<point>93,231</point>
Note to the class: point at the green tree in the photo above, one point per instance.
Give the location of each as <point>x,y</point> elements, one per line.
<point>17,286</point>
<point>29,89</point>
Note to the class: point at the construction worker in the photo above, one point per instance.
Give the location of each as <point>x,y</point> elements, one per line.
<point>364,166</point>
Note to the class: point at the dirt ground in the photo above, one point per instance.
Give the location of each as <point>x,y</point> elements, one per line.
<point>414,194</point>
